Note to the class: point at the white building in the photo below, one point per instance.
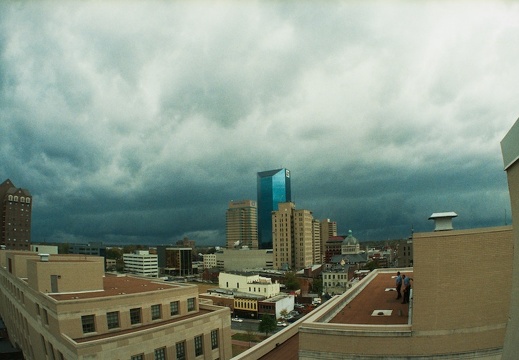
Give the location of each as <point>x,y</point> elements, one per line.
<point>44,249</point>
<point>209,261</point>
<point>248,283</point>
<point>141,263</point>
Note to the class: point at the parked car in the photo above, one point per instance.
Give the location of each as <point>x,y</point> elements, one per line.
<point>236,319</point>
<point>281,323</point>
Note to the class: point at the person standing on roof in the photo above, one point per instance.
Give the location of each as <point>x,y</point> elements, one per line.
<point>398,285</point>
<point>407,289</point>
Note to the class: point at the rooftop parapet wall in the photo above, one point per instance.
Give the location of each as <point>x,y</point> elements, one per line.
<point>510,150</point>
<point>65,276</point>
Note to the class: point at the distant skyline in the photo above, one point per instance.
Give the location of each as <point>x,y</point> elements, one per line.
<point>138,122</point>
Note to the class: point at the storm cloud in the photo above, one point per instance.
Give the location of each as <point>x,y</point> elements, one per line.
<point>137,122</point>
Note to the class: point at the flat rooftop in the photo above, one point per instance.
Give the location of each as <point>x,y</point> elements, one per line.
<point>119,285</point>
<point>378,296</point>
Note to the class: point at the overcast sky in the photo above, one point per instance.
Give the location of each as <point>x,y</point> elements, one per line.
<point>138,122</point>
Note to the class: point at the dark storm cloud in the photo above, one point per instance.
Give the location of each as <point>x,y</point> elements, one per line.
<point>139,122</point>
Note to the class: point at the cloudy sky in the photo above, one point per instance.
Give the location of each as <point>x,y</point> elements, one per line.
<point>138,122</point>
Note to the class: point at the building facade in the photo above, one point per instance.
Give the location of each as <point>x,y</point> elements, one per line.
<point>16,215</point>
<point>241,224</point>
<point>404,253</point>
<point>510,150</point>
<point>293,237</point>
<point>175,261</point>
<point>250,284</point>
<point>53,311</point>
<point>317,257</point>
<point>243,259</point>
<point>141,263</point>
<point>273,187</point>
<point>328,230</point>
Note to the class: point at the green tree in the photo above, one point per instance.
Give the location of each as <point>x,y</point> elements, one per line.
<point>317,286</point>
<point>283,313</point>
<point>267,324</point>
<point>291,281</point>
<point>371,265</point>
<point>114,253</point>
<point>63,248</point>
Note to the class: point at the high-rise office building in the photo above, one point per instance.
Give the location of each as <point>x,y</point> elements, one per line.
<point>273,188</point>
<point>15,217</point>
<point>293,237</point>
<point>328,230</point>
<point>241,224</point>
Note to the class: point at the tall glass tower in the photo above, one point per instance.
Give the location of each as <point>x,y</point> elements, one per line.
<point>273,188</point>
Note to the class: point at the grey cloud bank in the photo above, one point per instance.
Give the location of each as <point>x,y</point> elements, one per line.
<point>139,122</point>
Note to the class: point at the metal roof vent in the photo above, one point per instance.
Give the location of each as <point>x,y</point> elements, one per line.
<point>44,257</point>
<point>443,221</point>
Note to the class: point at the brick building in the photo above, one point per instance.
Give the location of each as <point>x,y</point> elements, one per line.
<point>15,222</point>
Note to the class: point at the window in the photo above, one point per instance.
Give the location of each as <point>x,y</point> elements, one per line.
<point>135,316</point>
<point>45,317</point>
<point>44,344</point>
<point>112,319</point>
<point>160,354</point>
<point>155,312</point>
<point>214,339</point>
<point>181,350</point>
<point>199,349</point>
<point>88,322</point>
<point>173,307</point>
<point>137,357</point>
<point>190,304</point>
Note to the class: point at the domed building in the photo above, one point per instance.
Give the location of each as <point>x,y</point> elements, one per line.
<point>350,245</point>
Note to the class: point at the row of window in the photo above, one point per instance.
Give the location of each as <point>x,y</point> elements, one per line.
<point>180,348</point>
<point>113,317</point>
<point>332,276</point>
<point>22,199</point>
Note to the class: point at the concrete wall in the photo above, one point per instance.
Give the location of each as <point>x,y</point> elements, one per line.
<point>510,148</point>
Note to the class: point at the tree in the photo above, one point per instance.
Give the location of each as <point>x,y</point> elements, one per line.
<point>267,324</point>
<point>114,253</point>
<point>317,286</point>
<point>63,248</point>
<point>283,313</point>
<point>291,281</point>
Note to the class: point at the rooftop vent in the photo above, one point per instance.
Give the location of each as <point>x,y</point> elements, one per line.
<point>443,221</point>
<point>44,257</point>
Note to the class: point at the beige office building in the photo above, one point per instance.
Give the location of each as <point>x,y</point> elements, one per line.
<point>458,308</point>
<point>65,307</point>
<point>292,237</point>
<point>241,224</point>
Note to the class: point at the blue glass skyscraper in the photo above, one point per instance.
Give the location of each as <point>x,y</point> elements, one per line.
<point>273,188</point>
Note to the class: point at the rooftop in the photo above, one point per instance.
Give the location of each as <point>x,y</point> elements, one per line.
<point>364,304</point>
<point>118,285</point>
<point>379,295</point>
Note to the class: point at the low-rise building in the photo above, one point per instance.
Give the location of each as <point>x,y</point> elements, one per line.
<point>141,263</point>
<point>53,311</point>
<point>249,283</point>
